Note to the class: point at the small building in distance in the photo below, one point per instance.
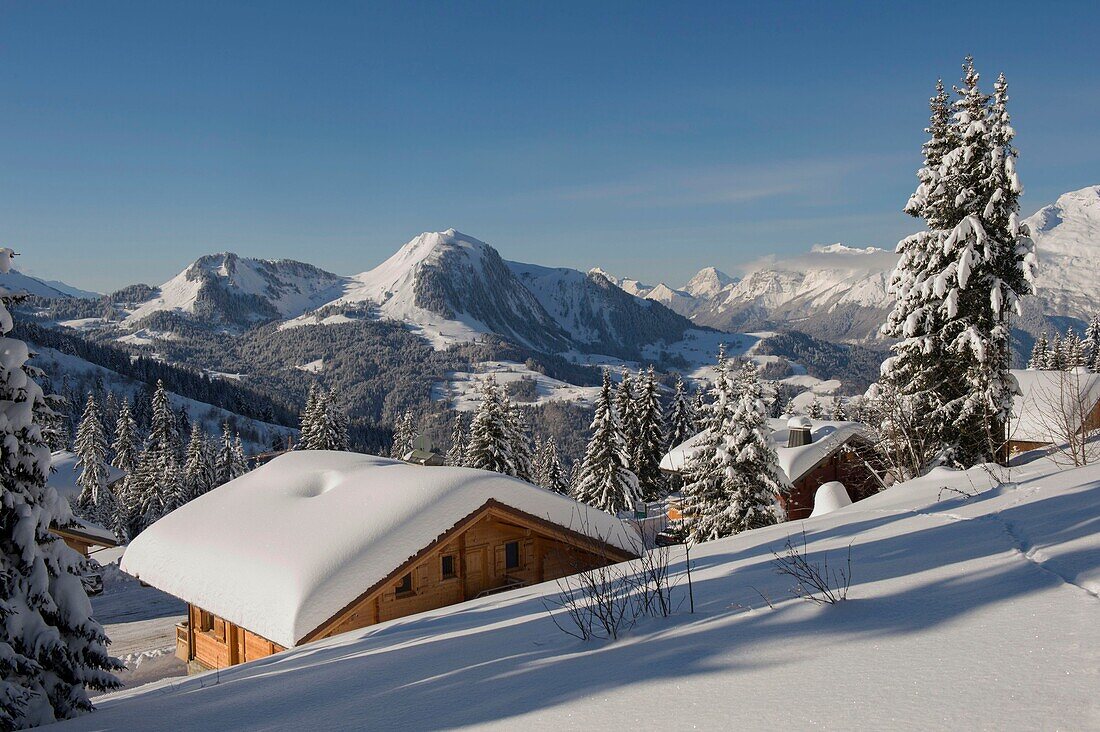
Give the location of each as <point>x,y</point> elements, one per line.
<point>316,543</point>
<point>1054,407</point>
<point>81,535</point>
<point>811,452</point>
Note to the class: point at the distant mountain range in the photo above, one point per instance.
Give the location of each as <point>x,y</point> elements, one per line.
<point>839,293</point>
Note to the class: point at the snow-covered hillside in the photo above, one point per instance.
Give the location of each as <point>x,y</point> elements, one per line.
<point>15,281</point>
<point>1067,240</point>
<point>228,289</point>
<point>971,607</point>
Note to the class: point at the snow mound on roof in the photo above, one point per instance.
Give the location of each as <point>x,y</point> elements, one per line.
<point>829,497</point>
<point>282,549</point>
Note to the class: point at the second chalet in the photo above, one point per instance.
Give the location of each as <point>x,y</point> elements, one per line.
<point>317,543</point>
<point>812,453</point>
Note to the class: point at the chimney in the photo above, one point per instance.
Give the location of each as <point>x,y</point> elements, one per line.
<point>798,431</point>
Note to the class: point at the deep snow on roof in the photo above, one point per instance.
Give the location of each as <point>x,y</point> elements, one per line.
<point>826,436</point>
<point>282,549</point>
<point>1052,404</point>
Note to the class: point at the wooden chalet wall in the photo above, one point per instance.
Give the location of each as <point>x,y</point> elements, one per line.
<point>842,465</point>
<point>477,551</point>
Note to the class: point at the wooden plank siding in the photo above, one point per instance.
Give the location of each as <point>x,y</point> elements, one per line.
<point>477,550</point>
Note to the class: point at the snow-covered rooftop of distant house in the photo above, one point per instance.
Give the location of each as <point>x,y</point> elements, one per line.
<point>98,535</point>
<point>64,472</point>
<point>282,549</point>
<point>1052,403</point>
<point>795,461</point>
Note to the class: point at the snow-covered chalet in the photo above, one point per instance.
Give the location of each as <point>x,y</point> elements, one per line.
<point>811,452</point>
<point>316,543</point>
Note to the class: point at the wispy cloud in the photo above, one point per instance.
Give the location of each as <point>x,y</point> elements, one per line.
<point>812,179</point>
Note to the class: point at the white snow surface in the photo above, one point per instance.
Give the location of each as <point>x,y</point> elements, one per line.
<point>282,549</point>
<point>975,613</point>
<point>795,462</point>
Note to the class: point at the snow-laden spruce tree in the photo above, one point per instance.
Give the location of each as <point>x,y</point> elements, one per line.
<point>681,416</point>
<point>230,462</point>
<point>1092,343</point>
<point>736,482</point>
<point>551,474</point>
<point>456,453</point>
<point>404,432</point>
<point>650,445</point>
<point>626,411</point>
<point>957,282</point>
<point>239,464</point>
<point>606,481</point>
<point>51,649</point>
<point>1040,353</point>
<point>520,437</point>
<point>96,502</point>
<point>491,434</point>
<point>338,418</point>
<point>198,466</point>
<point>702,476</point>
<point>311,422</point>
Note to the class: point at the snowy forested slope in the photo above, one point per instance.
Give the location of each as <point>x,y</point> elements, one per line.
<point>971,607</point>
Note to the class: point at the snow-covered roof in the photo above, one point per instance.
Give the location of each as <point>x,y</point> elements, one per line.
<point>826,437</point>
<point>284,548</point>
<point>1053,403</point>
<point>94,534</point>
<point>64,472</point>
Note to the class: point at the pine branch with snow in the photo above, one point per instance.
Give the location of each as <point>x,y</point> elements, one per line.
<point>606,481</point>
<point>51,649</point>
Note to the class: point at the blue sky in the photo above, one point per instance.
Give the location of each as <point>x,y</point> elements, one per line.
<point>648,139</point>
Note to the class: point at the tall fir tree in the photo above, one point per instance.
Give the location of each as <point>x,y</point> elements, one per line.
<point>198,467</point>
<point>51,648</point>
<point>735,483</point>
<point>957,283</point>
<point>551,474</point>
<point>491,436</point>
<point>650,445</point>
<point>456,453</point>
<point>681,416</point>
<point>309,421</point>
<point>1040,353</point>
<point>338,414</point>
<point>606,481</point>
<point>1092,344</point>
<point>627,416</point>
<point>96,501</point>
<point>520,437</point>
<point>403,435</point>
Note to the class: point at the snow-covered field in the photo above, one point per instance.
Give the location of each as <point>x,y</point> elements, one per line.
<point>971,607</point>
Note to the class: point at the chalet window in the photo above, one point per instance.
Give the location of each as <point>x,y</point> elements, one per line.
<point>447,565</point>
<point>511,555</point>
<point>206,620</point>
<point>405,586</point>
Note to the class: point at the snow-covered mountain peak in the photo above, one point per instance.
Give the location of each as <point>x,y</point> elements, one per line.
<point>229,289</point>
<point>708,282</point>
<point>1067,242</point>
